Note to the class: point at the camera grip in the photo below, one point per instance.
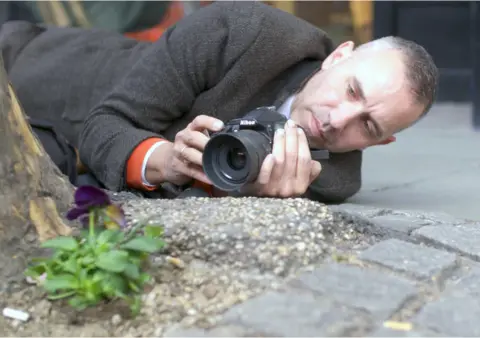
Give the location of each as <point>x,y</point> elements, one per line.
<point>318,154</point>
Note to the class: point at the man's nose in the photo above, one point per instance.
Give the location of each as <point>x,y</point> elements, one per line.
<point>344,114</point>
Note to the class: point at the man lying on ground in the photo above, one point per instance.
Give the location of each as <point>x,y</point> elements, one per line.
<point>137,112</point>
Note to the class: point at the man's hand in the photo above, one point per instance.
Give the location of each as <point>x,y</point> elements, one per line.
<point>289,169</point>
<point>181,161</point>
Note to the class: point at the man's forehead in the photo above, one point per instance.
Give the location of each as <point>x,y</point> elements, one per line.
<point>380,73</point>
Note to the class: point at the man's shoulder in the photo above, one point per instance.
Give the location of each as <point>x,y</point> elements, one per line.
<point>253,15</point>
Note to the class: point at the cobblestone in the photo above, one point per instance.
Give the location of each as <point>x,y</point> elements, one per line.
<point>456,311</point>
<point>461,238</point>
<point>386,332</point>
<point>453,316</point>
<point>379,293</point>
<point>420,261</point>
<point>401,224</point>
<point>294,314</point>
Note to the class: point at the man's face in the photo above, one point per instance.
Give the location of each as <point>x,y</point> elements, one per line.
<point>357,100</point>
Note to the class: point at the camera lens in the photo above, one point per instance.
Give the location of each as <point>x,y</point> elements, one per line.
<point>236,159</point>
<point>231,160</point>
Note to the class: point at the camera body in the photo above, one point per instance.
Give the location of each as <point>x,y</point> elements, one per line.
<point>233,156</point>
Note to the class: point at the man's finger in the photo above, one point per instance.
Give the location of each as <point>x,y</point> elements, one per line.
<point>266,170</point>
<point>291,150</point>
<point>316,169</point>
<point>304,165</point>
<point>192,156</point>
<point>278,153</point>
<point>196,173</point>
<point>202,122</point>
<point>195,139</point>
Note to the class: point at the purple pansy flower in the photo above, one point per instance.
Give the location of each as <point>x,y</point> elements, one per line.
<point>114,217</point>
<point>88,197</point>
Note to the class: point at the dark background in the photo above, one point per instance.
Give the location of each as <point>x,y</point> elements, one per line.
<point>450,31</point>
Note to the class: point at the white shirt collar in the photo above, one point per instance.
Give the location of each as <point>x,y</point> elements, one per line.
<point>286,108</point>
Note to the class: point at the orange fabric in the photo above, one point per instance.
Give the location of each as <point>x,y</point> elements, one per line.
<point>174,13</point>
<point>204,186</point>
<point>135,162</point>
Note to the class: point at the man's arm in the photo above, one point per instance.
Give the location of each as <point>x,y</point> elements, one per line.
<point>160,88</point>
<point>340,178</point>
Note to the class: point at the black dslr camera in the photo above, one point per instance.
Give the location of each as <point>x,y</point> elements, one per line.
<point>233,156</point>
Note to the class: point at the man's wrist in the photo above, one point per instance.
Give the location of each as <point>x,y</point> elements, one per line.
<point>145,161</point>
<point>156,165</point>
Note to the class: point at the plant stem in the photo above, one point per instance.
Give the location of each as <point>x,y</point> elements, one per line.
<point>132,231</point>
<point>91,227</point>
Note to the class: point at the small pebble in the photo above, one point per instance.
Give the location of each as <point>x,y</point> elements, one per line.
<point>191,312</point>
<point>210,291</point>
<point>177,262</point>
<point>116,319</point>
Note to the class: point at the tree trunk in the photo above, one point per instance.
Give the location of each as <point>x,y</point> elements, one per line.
<point>34,194</point>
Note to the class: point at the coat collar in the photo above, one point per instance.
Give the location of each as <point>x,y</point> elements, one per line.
<point>293,79</point>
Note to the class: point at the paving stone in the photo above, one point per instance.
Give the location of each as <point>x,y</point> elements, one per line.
<point>457,311</point>
<point>452,316</point>
<point>185,332</point>
<point>378,292</point>
<point>435,217</point>
<point>294,313</point>
<point>419,261</point>
<point>220,331</point>
<point>387,332</point>
<point>469,284</point>
<point>462,238</point>
<point>399,223</point>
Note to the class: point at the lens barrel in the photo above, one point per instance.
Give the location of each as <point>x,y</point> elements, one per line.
<point>231,160</point>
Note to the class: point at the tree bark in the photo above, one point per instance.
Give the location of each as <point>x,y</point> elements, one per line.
<point>34,194</point>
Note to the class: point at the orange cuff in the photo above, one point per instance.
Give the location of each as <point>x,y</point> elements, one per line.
<point>204,186</point>
<point>135,162</point>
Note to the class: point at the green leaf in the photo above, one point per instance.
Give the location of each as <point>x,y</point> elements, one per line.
<point>99,275</point>
<point>61,282</point>
<point>144,278</point>
<point>35,271</point>
<point>145,244</point>
<point>62,243</point>
<point>136,305</point>
<point>87,260</point>
<point>114,261</point>
<point>114,284</point>
<point>134,287</point>
<point>70,265</point>
<point>132,271</point>
<point>107,236</point>
<point>62,295</point>
<point>78,302</point>
<point>153,231</point>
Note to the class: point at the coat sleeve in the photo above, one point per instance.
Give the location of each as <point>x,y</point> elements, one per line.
<point>160,88</point>
<point>340,178</point>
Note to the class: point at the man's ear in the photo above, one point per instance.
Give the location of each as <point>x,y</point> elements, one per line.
<point>387,140</point>
<point>342,52</point>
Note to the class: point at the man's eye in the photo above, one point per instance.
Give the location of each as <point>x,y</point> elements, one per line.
<point>368,127</point>
<point>351,91</point>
